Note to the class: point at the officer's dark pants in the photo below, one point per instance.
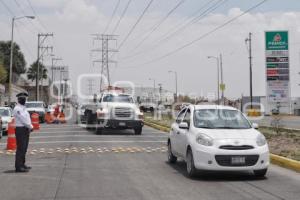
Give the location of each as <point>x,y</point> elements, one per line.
<point>22,137</point>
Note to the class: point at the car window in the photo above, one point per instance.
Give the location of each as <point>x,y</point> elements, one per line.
<point>187,117</point>
<point>180,116</point>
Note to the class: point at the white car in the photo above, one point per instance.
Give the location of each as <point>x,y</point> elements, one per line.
<point>6,116</point>
<point>217,138</point>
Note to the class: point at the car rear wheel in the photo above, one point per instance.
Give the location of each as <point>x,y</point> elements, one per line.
<point>171,158</point>
<point>260,173</point>
<point>190,167</point>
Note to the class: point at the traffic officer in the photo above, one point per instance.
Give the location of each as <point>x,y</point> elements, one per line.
<point>23,129</point>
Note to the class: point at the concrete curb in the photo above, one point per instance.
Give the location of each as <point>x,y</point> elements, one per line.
<point>285,162</point>
<point>159,127</point>
<point>275,159</point>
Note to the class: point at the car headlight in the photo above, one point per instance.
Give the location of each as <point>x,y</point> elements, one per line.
<point>204,140</point>
<point>261,140</point>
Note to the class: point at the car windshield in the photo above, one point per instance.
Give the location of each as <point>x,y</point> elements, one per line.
<point>220,119</point>
<point>4,113</point>
<point>34,105</point>
<point>119,98</point>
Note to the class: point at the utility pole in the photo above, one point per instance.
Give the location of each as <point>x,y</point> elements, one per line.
<point>218,76</point>
<point>105,52</point>
<point>222,80</point>
<point>41,50</point>
<point>249,41</point>
<point>160,93</point>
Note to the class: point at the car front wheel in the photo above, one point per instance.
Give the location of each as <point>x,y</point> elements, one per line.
<point>260,173</point>
<point>171,158</point>
<point>190,166</point>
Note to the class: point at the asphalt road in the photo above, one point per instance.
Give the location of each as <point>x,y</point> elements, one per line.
<point>71,163</point>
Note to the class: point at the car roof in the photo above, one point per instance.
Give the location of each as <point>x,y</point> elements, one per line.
<point>201,107</point>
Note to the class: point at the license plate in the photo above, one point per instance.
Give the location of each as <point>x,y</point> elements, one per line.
<point>238,160</point>
<point>122,124</point>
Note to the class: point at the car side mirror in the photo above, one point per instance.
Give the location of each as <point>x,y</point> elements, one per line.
<point>255,126</point>
<point>183,125</point>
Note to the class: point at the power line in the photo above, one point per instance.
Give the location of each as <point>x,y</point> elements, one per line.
<point>23,12</point>
<point>122,15</point>
<point>186,22</point>
<point>7,8</point>
<point>112,16</point>
<point>201,37</point>
<point>36,15</point>
<point>136,23</point>
<point>156,26</point>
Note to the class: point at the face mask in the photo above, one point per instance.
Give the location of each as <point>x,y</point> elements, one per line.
<point>22,100</point>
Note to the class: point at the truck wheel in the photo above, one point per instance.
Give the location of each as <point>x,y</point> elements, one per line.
<point>99,131</point>
<point>138,131</point>
<point>89,121</point>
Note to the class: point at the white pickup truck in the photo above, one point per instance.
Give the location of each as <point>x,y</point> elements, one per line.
<point>113,110</point>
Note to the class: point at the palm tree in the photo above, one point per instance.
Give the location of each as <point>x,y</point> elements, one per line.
<point>32,71</point>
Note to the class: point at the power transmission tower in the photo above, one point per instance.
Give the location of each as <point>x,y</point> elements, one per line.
<point>105,52</point>
<point>91,86</point>
<point>41,50</point>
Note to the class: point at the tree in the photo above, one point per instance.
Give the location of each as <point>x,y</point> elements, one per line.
<point>3,72</point>
<point>32,71</point>
<point>19,63</point>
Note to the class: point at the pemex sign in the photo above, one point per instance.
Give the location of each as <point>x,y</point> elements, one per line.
<point>277,40</point>
<point>277,66</point>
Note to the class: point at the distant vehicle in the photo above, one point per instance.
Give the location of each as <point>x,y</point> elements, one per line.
<point>81,113</point>
<point>217,138</point>
<point>114,110</point>
<point>148,107</point>
<point>6,117</point>
<point>37,107</point>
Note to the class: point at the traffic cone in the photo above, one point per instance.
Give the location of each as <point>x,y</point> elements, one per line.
<point>49,118</point>
<point>61,118</point>
<point>35,121</point>
<point>11,136</point>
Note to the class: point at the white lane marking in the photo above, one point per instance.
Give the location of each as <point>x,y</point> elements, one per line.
<point>54,132</point>
<point>97,136</point>
<point>98,141</point>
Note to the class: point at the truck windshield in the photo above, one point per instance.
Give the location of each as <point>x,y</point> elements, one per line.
<point>119,98</point>
<point>34,105</point>
<point>220,119</point>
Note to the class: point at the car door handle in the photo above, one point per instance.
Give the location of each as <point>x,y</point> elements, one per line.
<point>178,132</point>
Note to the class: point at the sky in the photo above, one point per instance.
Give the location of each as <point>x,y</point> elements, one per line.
<point>143,54</point>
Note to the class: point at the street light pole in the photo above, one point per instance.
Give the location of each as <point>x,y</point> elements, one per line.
<point>11,55</point>
<point>176,83</point>
<point>218,76</point>
<point>249,40</point>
